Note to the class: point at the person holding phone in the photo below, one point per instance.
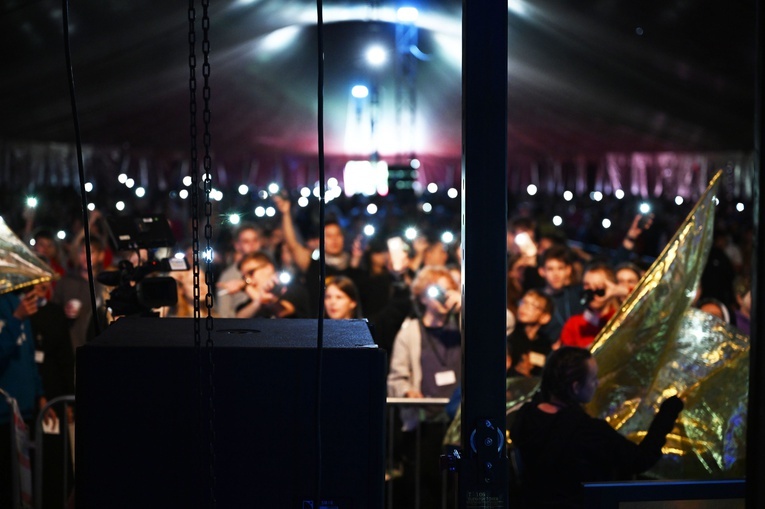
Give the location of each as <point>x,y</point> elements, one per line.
<point>267,296</point>
<point>427,362</point>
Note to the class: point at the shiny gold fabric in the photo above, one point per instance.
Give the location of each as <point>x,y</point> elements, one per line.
<point>657,346</point>
<point>19,267</point>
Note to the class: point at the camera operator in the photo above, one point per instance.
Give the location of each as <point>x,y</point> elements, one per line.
<point>267,296</point>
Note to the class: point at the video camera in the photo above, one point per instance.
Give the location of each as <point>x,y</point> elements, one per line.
<point>134,293</point>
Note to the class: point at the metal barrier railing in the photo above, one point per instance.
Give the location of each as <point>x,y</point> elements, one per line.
<point>397,403</point>
<point>63,403</point>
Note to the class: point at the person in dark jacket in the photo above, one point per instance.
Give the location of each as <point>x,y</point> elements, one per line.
<point>558,446</point>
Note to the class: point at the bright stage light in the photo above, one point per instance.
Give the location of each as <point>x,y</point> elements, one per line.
<point>140,192</point>
<point>120,205</point>
<point>644,208</point>
<point>234,219</point>
<point>447,237</point>
<point>568,195</point>
<point>303,201</point>
<point>61,235</point>
<point>740,207</point>
<point>376,55</point>
<point>130,183</point>
<point>452,193</point>
<point>557,220</point>
<point>407,14</point>
<point>410,233</point>
<point>183,194</point>
<point>679,200</point>
<point>369,230</point>
<point>359,91</point>
<point>372,209</point>
<point>606,223</point>
<point>187,180</point>
<point>88,187</point>
<point>91,207</point>
<point>414,164</point>
<point>270,211</point>
<point>244,189</point>
<point>531,189</point>
<point>260,211</point>
<point>273,188</point>
<point>305,192</point>
<point>432,188</point>
<point>619,194</point>
<point>122,178</point>
<point>31,202</point>
<point>427,207</point>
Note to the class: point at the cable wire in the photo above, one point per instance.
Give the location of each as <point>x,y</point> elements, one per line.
<point>322,254</point>
<point>80,165</point>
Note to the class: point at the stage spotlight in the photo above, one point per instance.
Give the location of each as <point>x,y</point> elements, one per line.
<point>619,194</point>
<point>372,209</point>
<point>432,188</point>
<point>61,234</point>
<point>120,205</point>
<point>130,183</point>
<point>140,192</point>
<point>376,55</point>
<point>427,207</point>
<point>369,230</point>
<point>568,195</point>
<point>122,178</point>
<point>88,187</point>
<point>644,208</point>
<point>359,91</point>
<point>557,220</point>
<point>187,180</point>
<point>606,223</point>
<point>740,207</point>
<point>31,202</point>
<point>452,193</point>
<point>234,219</point>
<point>303,201</point>
<point>91,207</point>
<point>244,189</point>
<point>270,211</point>
<point>531,189</point>
<point>679,200</point>
<point>260,211</point>
<point>410,233</point>
<point>183,194</point>
<point>447,237</point>
<point>407,14</point>
<point>273,188</point>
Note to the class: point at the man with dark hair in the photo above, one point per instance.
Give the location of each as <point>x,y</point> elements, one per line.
<point>337,259</point>
<point>556,268</point>
<point>559,447</point>
<point>247,240</point>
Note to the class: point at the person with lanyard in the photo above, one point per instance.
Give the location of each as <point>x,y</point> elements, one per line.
<point>426,362</point>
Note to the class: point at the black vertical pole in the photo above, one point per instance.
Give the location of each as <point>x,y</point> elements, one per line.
<point>755,445</point>
<point>483,469</point>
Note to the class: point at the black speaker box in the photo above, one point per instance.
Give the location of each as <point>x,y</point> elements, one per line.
<point>144,409</point>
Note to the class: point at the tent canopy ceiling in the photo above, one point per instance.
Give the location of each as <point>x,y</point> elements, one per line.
<point>584,77</point>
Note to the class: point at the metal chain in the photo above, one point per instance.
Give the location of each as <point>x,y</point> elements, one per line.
<point>208,237</point>
<point>194,171</point>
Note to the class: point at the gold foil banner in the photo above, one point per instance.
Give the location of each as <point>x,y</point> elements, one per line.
<point>19,266</point>
<point>657,346</point>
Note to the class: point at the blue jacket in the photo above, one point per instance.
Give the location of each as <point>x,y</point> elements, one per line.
<point>19,376</point>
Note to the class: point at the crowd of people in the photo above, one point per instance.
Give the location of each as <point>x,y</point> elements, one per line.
<point>560,293</point>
